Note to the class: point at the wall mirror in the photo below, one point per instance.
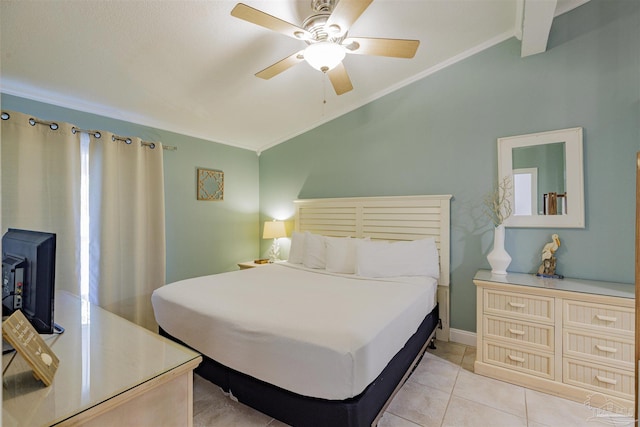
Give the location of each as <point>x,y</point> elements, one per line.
<point>546,176</point>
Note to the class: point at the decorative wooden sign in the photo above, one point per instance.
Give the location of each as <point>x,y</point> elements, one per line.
<point>210,184</point>
<point>25,340</point>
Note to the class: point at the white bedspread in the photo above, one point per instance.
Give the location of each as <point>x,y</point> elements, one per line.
<point>313,333</point>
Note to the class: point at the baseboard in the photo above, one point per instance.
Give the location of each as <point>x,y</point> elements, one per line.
<point>462,337</point>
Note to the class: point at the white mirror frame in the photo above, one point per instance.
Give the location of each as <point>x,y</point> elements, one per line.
<point>573,177</point>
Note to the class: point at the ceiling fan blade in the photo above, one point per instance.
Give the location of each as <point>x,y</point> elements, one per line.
<point>347,12</point>
<point>281,66</point>
<point>397,48</point>
<point>340,79</point>
<point>255,16</point>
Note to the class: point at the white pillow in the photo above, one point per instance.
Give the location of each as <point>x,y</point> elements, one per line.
<point>386,259</point>
<point>341,254</point>
<point>314,250</point>
<point>296,252</point>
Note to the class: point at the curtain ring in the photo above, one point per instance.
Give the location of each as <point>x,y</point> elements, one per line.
<point>5,116</point>
<point>152,145</point>
<point>128,141</point>
<point>52,125</point>
<point>95,133</point>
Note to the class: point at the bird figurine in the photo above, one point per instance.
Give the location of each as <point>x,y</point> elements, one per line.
<point>548,266</point>
<point>550,248</point>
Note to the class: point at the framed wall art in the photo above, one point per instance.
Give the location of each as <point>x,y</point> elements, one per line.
<point>210,184</point>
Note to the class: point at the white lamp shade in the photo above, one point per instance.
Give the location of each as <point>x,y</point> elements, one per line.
<point>274,230</point>
<point>324,56</point>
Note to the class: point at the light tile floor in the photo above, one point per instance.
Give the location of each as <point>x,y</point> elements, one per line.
<point>443,391</point>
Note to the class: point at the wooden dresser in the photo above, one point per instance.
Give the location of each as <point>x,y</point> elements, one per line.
<point>572,338</point>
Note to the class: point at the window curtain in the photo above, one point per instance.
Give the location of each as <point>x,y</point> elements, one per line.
<point>127,226</point>
<point>41,187</point>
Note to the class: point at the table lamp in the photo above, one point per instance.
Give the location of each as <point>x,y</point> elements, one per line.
<point>274,230</point>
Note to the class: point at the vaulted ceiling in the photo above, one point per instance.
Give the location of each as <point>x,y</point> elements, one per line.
<point>188,66</point>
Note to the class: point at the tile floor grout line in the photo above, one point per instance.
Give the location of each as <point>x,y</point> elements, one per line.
<point>451,394</point>
<point>402,418</point>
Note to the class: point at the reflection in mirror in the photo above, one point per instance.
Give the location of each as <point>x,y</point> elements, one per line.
<point>538,172</point>
<point>525,191</point>
<point>546,171</point>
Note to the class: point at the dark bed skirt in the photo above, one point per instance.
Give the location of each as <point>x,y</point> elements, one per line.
<point>302,411</point>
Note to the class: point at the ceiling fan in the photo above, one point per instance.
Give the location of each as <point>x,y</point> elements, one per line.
<point>325,32</point>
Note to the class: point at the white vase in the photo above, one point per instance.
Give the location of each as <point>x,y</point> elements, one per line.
<point>498,258</point>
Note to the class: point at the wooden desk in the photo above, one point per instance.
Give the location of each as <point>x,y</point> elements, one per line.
<point>112,373</point>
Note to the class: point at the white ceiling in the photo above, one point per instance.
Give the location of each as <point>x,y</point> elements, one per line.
<point>188,66</point>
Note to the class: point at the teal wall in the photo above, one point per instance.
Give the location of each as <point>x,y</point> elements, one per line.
<point>202,237</point>
<point>438,136</point>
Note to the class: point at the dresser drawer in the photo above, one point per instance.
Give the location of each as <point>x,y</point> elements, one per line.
<point>599,317</point>
<point>616,382</point>
<point>538,335</point>
<point>520,306</point>
<point>598,348</point>
<point>531,362</point>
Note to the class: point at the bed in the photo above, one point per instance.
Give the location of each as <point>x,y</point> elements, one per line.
<point>318,342</point>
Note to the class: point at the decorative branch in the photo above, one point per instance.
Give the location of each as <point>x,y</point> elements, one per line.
<point>497,203</point>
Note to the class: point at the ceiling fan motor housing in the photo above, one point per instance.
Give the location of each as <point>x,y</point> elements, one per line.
<point>323,5</point>
<point>315,24</point>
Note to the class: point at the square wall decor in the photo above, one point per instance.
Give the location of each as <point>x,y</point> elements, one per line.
<point>210,184</point>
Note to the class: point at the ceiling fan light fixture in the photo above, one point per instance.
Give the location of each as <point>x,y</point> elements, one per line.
<point>324,56</point>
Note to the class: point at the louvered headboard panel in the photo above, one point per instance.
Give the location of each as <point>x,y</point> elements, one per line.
<point>385,218</point>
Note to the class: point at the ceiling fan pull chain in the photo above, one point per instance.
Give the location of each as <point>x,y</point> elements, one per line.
<point>324,93</point>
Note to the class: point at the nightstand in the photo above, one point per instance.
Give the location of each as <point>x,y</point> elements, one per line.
<point>249,264</point>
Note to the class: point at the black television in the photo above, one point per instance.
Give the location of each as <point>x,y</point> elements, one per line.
<point>28,276</point>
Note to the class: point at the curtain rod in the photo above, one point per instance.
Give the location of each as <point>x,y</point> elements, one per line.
<point>126,139</point>
<point>95,133</point>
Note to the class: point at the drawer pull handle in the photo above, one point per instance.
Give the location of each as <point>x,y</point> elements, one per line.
<point>515,358</point>
<point>606,380</point>
<point>606,318</point>
<point>606,349</point>
<point>516,304</point>
<point>516,332</point>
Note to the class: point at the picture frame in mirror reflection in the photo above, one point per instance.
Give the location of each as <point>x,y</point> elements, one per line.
<point>546,169</point>
<point>210,184</point>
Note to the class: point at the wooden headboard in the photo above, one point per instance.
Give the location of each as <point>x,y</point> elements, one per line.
<point>386,218</point>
